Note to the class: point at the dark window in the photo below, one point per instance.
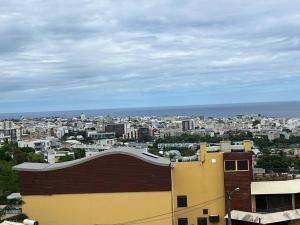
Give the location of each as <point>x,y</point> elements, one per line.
<point>297,201</point>
<point>183,221</point>
<point>205,211</point>
<point>279,203</point>
<point>273,203</point>
<point>202,221</point>
<point>182,201</point>
<point>261,203</point>
<point>230,165</point>
<point>242,165</point>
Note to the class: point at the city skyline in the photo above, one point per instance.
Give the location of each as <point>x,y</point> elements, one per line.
<point>77,55</point>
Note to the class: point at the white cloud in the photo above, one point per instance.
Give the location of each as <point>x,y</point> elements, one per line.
<point>87,48</point>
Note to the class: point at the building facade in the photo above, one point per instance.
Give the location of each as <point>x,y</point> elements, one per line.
<point>130,186</point>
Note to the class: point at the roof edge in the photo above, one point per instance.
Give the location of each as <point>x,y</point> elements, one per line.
<point>63,165</point>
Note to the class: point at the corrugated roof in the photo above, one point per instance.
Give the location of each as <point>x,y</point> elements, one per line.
<point>5,222</point>
<point>265,218</point>
<point>275,187</point>
<point>138,153</point>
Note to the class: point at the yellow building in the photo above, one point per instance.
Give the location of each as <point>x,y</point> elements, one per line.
<point>125,186</point>
<point>199,184</point>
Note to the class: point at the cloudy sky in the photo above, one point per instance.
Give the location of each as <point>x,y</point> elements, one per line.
<point>88,54</point>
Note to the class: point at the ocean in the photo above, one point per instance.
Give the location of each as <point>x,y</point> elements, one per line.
<point>272,109</point>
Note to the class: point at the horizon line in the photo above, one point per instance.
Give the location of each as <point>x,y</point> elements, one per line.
<point>151,107</point>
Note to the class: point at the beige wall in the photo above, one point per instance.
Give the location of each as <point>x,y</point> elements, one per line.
<point>91,209</point>
<point>203,183</point>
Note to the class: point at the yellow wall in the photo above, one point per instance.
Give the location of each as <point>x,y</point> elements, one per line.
<point>248,145</point>
<point>104,208</point>
<point>203,183</point>
<point>294,222</point>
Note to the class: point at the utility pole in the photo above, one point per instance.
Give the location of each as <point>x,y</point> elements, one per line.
<point>228,195</point>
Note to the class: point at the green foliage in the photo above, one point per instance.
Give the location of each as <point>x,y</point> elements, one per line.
<point>79,153</point>
<point>154,150</point>
<point>19,156</point>
<point>8,180</point>
<point>188,152</point>
<point>33,157</point>
<point>274,162</point>
<point>65,158</point>
<point>27,149</point>
<point>297,164</point>
<point>256,122</point>
<point>4,155</point>
<point>11,155</point>
<point>262,143</point>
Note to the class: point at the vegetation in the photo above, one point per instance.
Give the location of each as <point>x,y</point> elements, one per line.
<point>65,158</point>
<point>273,162</point>
<point>11,155</point>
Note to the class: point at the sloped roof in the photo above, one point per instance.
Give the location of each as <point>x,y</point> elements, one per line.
<point>138,153</point>
<point>265,218</point>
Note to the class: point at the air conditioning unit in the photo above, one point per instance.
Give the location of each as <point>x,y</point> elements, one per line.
<point>30,222</point>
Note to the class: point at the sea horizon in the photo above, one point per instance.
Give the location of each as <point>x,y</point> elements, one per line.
<point>273,109</point>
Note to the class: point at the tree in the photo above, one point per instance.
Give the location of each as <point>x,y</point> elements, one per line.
<point>65,158</point>
<point>255,122</point>
<point>19,156</point>
<point>33,157</point>
<point>79,153</point>
<point>276,163</point>
<point>297,164</point>
<point>8,180</point>
<point>27,149</point>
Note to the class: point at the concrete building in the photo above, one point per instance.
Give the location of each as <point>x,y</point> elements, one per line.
<point>112,187</point>
<point>126,185</point>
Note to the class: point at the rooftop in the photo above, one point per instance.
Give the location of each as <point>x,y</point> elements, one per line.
<point>138,153</point>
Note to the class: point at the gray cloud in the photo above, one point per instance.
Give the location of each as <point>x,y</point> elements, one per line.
<point>99,50</point>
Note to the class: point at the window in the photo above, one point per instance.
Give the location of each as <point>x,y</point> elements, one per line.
<point>242,165</point>
<point>236,165</point>
<point>182,201</point>
<point>202,221</point>
<point>183,221</point>
<point>297,200</point>
<point>205,211</point>
<point>230,165</point>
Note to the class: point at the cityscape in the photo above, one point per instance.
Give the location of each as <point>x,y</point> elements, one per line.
<point>161,160</point>
<point>161,112</point>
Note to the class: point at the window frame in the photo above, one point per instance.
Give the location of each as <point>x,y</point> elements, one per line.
<point>186,220</point>
<point>238,164</point>
<point>231,160</point>
<point>181,197</point>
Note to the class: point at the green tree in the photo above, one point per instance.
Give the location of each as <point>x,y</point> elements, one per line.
<point>79,153</point>
<point>276,163</point>
<point>20,156</point>
<point>65,158</point>
<point>297,163</point>
<point>8,180</point>
<point>33,157</point>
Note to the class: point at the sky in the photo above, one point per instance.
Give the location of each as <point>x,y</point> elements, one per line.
<point>93,54</point>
